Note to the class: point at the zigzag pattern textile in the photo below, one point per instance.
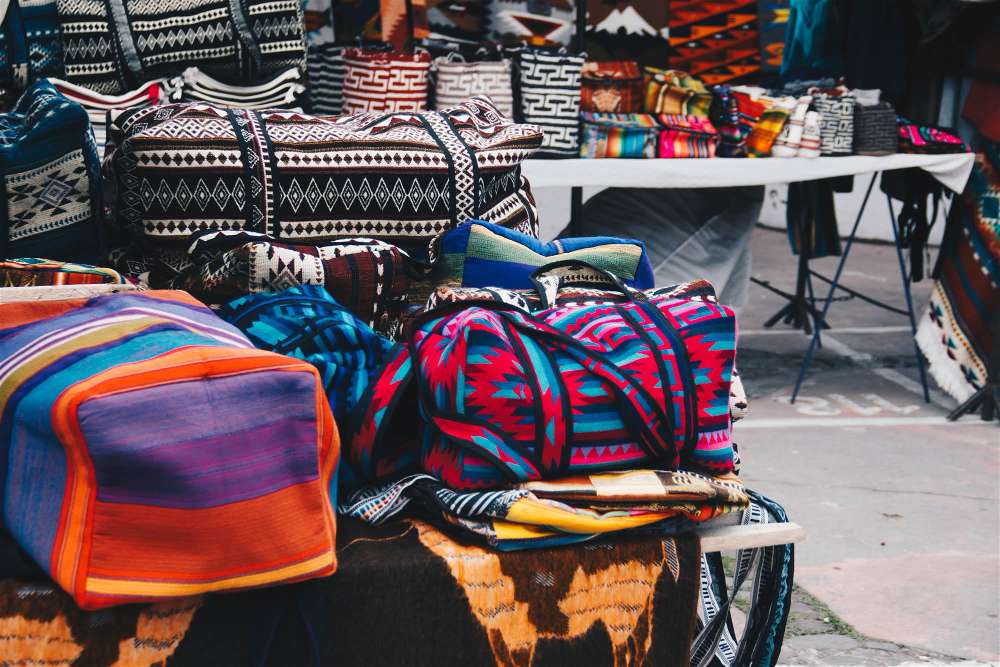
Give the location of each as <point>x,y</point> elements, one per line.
<point>112,46</point>
<point>549,96</point>
<point>715,41</point>
<point>401,177</point>
<point>146,446</point>
<point>51,197</point>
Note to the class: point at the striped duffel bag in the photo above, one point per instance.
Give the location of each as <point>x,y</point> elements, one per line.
<point>148,451</point>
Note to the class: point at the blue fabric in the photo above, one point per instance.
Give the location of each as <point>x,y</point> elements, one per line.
<point>481,254</point>
<point>52,195</point>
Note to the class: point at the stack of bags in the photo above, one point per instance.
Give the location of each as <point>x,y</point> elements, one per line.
<point>660,113</point>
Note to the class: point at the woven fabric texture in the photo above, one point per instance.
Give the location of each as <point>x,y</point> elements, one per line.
<point>161,447</point>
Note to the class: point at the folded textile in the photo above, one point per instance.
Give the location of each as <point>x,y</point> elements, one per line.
<point>618,135</point>
<point>927,139</point>
<point>766,130</point>
<point>112,46</point>
<point>686,137</point>
<point>146,446</point>
<point>33,271</point>
<point>370,278</point>
<point>283,91</point>
<point>957,332</point>
<point>676,92</point>
<point>464,603</point>
<point>481,254</point>
<point>185,168</point>
<point>523,518</point>
<point>51,179</point>
<point>735,111</point>
<point>664,487</point>
<point>97,105</point>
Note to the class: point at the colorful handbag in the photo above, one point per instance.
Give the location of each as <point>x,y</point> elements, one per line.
<point>456,80</point>
<point>480,254</point>
<point>928,139</point>
<point>184,168</point>
<point>676,93</point>
<point>112,46</point>
<point>686,137</point>
<point>370,278</point>
<point>511,396</point>
<point>836,123</point>
<point>613,135</point>
<point>734,113</point>
<point>549,96</point>
<point>326,69</point>
<point>52,194</point>
<point>385,81</point>
<point>34,272</point>
<point>149,452</point>
<point>611,87</point>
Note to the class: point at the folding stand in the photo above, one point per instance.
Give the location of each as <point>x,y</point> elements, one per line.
<point>835,285</point>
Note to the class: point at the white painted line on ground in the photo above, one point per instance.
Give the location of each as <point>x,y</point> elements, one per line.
<point>839,330</point>
<point>938,398</point>
<point>804,422</point>
<point>837,347</point>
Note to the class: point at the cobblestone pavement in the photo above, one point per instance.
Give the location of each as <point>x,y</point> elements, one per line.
<point>815,636</point>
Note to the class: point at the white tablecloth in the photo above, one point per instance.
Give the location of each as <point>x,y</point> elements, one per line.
<point>951,170</point>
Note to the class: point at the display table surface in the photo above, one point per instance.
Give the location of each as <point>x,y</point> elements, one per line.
<point>952,170</point>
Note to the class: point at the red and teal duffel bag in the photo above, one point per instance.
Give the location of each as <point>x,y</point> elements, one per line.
<point>510,396</point>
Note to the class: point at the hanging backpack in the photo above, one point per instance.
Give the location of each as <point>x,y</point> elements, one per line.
<point>510,396</point>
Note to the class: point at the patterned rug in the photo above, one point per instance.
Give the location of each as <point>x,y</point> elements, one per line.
<point>405,593</point>
<point>715,41</point>
<point>954,333</point>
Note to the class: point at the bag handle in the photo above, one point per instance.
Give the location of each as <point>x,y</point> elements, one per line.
<point>640,411</point>
<point>547,288</point>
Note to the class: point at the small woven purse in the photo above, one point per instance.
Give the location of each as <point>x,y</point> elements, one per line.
<point>611,87</point>
<point>875,129</point>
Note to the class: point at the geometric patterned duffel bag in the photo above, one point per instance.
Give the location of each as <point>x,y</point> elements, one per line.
<point>370,278</point>
<point>148,451</point>
<point>402,177</point>
<point>511,396</point>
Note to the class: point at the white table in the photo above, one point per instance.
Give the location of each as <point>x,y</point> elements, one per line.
<point>951,170</point>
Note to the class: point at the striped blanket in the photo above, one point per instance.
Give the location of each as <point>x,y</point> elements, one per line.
<point>146,446</point>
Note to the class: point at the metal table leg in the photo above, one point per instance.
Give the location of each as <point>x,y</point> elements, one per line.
<point>814,341</point>
<point>909,300</point>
